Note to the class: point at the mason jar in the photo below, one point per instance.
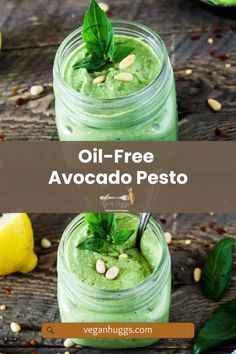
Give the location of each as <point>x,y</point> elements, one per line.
<point>149,114</point>
<point>146,302</point>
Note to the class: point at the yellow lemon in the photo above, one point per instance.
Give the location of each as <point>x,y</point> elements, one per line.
<point>16,244</point>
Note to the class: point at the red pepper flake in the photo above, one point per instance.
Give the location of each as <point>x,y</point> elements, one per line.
<point>218,132</point>
<point>221,230</point>
<point>8,291</point>
<point>223,57</point>
<point>209,73</point>
<point>212,53</point>
<point>217,32</point>
<point>20,101</point>
<point>203,228</point>
<point>14,90</point>
<point>2,137</point>
<point>211,224</point>
<point>33,343</point>
<point>162,220</point>
<point>232,27</point>
<point>194,37</point>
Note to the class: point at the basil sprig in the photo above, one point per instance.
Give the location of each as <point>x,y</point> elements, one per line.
<point>102,232</point>
<point>216,276</point>
<point>98,36</point>
<point>220,328</point>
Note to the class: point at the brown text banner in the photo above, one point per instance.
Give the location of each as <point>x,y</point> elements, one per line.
<point>109,176</point>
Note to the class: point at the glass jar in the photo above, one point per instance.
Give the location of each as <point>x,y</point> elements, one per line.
<point>147,302</point>
<point>149,114</point>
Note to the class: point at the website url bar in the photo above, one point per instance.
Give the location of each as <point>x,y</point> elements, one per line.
<point>118,330</point>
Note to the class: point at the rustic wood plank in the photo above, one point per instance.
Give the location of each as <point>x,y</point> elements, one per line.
<point>30,24</point>
<point>33,296</point>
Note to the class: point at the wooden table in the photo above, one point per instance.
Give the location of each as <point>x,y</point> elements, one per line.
<point>32,31</point>
<point>33,296</point>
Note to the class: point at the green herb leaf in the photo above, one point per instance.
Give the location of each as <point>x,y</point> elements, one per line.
<point>97,31</point>
<point>90,64</point>
<point>93,244</point>
<point>95,226</point>
<point>121,237</point>
<point>108,221</point>
<point>120,52</point>
<point>216,276</point>
<point>220,328</point>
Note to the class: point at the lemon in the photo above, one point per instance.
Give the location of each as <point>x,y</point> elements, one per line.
<point>16,244</point>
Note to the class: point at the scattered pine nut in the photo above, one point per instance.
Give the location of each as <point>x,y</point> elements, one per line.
<point>123,256</point>
<point>188,71</point>
<point>99,79</point>
<point>228,65</point>
<point>126,77</point>
<point>168,237</point>
<point>3,308</point>
<point>100,266</point>
<point>210,41</point>
<point>187,242</point>
<point>197,273</point>
<point>45,243</point>
<point>67,352</point>
<point>68,343</point>
<point>15,327</point>
<point>215,105</point>
<point>112,273</point>
<point>36,90</point>
<point>127,62</point>
<point>103,6</point>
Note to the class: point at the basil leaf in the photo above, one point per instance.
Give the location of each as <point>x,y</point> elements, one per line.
<point>220,328</point>
<point>216,276</point>
<point>119,53</point>
<point>89,64</point>
<point>95,226</point>
<point>93,244</point>
<point>97,31</point>
<point>108,221</point>
<point>121,237</point>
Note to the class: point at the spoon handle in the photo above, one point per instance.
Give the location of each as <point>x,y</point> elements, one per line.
<point>141,228</point>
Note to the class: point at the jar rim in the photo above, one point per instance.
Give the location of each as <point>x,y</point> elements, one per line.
<point>158,275</point>
<point>122,101</point>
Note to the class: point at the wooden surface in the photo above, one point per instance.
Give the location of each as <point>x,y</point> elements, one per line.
<point>33,296</point>
<point>32,31</point>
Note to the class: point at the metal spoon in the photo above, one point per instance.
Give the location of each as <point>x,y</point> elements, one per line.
<point>141,228</point>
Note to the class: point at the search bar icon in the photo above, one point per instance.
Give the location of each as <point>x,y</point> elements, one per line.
<point>118,330</point>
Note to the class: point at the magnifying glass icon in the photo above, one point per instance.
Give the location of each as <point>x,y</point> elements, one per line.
<point>50,330</point>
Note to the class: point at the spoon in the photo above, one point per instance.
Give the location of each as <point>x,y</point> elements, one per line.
<point>141,227</point>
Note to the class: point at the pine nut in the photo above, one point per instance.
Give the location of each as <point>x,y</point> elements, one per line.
<point>67,352</point>
<point>3,307</point>
<point>112,273</point>
<point>127,62</point>
<point>188,71</point>
<point>99,79</point>
<point>123,256</point>
<point>210,41</point>
<point>68,343</point>
<point>126,77</point>
<point>228,65</point>
<point>197,273</point>
<point>103,6</point>
<point>168,237</point>
<point>36,90</point>
<point>215,105</point>
<point>187,242</point>
<point>45,243</point>
<point>100,266</point>
<point>15,327</point>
